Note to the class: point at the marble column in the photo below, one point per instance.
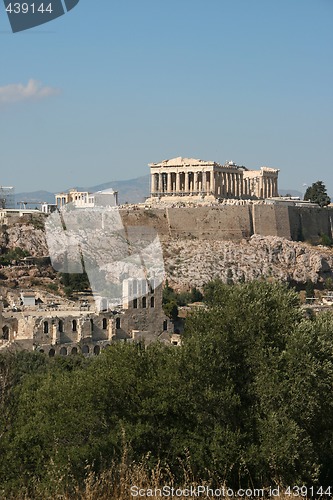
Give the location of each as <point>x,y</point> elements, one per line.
<point>169,187</point>
<point>219,185</point>
<point>212,182</point>
<point>259,190</point>
<point>195,182</point>
<point>153,183</point>
<point>187,183</point>
<point>160,188</point>
<point>204,182</point>
<point>240,185</point>
<point>225,188</point>
<point>177,182</point>
<point>237,185</point>
<point>232,188</point>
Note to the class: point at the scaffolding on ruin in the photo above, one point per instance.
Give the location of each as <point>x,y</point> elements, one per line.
<point>7,197</point>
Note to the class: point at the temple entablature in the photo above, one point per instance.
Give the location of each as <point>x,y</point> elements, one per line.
<point>194,178</point>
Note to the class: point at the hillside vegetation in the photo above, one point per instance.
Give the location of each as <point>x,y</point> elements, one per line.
<point>245,402</point>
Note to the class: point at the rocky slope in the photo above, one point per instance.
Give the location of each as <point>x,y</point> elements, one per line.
<point>25,236</point>
<point>190,263</point>
<point>193,262</point>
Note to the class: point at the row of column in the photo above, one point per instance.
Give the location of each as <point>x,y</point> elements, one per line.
<point>216,183</point>
<point>269,187</point>
<point>219,184</point>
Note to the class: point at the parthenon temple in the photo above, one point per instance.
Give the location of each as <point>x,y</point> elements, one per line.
<point>199,179</point>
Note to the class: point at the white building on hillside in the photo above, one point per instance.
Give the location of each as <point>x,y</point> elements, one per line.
<point>85,199</point>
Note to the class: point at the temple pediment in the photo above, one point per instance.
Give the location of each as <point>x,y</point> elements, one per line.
<point>192,178</point>
<point>182,162</point>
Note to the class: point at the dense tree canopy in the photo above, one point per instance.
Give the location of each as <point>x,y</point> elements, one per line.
<point>317,193</point>
<point>245,401</point>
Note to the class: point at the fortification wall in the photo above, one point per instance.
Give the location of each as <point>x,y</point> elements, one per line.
<point>225,222</point>
<point>314,222</point>
<point>234,222</point>
<point>271,220</point>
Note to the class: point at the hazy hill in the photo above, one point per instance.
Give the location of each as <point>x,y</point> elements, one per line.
<point>35,197</point>
<point>293,192</point>
<point>131,191</point>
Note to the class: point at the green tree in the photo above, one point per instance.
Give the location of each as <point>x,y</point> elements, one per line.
<point>195,295</point>
<point>309,289</point>
<point>328,284</point>
<point>309,381</point>
<point>235,366</point>
<point>171,309</point>
<point>168,293</point>
<point>317,193</point>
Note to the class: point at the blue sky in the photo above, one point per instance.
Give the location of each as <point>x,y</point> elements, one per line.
<point>97,94</point>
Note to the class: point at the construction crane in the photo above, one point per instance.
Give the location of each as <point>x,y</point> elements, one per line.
<point>23,203</point>
<point>7,197</point>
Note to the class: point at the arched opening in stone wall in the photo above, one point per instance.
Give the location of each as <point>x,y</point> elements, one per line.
<point>144,302</point>
<point>74,351</point>
<point>5,333</point>
<point>117,323</point>
<point>97,350</point>
<point>165,325</point>
<point>92,324</point>
<point>63,351</point>
<point>51,352</point>
<point>46,327</point>
<point>105,323</point>
<point>74,325</point>
<point>61,326</point>
<point>85,349</point>
<point>152,302</point>
<point>135,303</point>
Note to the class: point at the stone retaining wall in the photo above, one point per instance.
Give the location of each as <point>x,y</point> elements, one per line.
<point>228,222</point>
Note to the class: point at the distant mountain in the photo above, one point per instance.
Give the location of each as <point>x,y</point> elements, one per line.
<point>34,197</point>
<point>292,192</point>
<point>130,191</point>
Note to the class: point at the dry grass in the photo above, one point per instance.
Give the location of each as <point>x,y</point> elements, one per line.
<point>116,484</point>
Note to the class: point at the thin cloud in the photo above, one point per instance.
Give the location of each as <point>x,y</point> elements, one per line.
<point>16,92</point>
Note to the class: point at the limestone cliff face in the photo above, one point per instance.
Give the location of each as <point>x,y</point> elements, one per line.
<point>191,262</point>
<point>25,236</point>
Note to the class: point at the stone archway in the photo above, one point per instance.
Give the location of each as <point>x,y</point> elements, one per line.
<point>85,349</point>
<point>5,333</point>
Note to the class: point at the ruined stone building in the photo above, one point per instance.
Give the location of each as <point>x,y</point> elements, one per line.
<point>188,178</point>
<point>71,331</point>
<point>85,199</point>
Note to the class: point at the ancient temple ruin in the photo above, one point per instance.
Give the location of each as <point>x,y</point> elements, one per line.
<point>198,179</point>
